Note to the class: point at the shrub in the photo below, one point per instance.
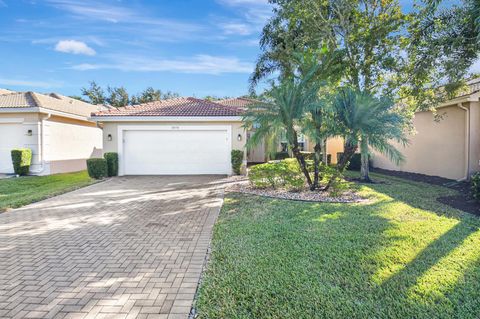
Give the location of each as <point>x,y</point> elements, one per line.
<point>97,167</point>
<point>475,186</point>
<point>112,163</point>
<point>281,155</point>
<point>355,162</point>
<point>21,160</point>
<point>237,160</point>
<point>284,173</point>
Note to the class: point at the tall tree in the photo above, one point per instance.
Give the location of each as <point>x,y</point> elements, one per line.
<point>117,96</point>
<point>383,50</point>
<point>95,94</point>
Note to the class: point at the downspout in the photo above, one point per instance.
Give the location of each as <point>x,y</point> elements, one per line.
<point>467,142</point>
<point>42,145</point>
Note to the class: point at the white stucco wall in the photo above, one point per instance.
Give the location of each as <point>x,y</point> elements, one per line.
<point>68,140</point>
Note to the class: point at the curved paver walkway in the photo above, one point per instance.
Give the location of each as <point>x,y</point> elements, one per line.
<point>130,247</point>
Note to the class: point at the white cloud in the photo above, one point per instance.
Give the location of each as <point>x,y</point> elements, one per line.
<point>254,11</point>
<point>29,83</point>
<point>236,28</point>
<point>201,64</point>
<point>74,47</point>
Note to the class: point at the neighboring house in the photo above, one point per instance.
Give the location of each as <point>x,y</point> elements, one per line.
<point>56,128</point>
<point>448,146</point>
<point>180,136</point>
<point>258,154</point>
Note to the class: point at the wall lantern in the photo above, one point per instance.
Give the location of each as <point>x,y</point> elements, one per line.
<point>109,137</point>
<point>239,137</point>
<point>29,132</point>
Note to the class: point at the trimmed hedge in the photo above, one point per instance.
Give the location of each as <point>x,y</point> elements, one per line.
<point>112,163</point>
<point>285,173</point>
<point>355,162</point>
<point>97,168</point>
<point>237,160</point>
<point>21,160</point>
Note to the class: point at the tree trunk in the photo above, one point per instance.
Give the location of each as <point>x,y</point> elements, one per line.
<point>324,155</point>
<point>365,169</point>
<point>348,152</point>
<point>316,163</point>
<point>300,158</point>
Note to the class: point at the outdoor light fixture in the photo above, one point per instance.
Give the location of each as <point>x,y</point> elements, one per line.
<point>239,137</point>
<point>109,137</point>
<point>29,132</point>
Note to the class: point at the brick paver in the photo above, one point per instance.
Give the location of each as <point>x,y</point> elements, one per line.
<point>130,247</point>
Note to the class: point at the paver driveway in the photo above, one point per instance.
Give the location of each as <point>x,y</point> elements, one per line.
<point>131,247</point>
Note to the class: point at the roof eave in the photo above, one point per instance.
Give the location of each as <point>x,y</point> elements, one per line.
<point>110,118</point>
<point>43,111</point>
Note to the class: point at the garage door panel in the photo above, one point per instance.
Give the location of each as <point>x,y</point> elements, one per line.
<point>182,152</point>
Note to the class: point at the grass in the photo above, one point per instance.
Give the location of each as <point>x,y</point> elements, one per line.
<point>402,255</point>
<point>16,192</point>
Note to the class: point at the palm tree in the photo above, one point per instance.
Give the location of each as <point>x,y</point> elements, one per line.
<point>367,122</point>
<point>283,113</point>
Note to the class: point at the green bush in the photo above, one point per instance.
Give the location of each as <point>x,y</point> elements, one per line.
<point>237,160</point>
<point>281,155</point>
<point>355,162</point>
<point>285,173</point>
<point>97,167</point>
<point>112,163</point>
<point>475,186</point>
<point>21,160</point>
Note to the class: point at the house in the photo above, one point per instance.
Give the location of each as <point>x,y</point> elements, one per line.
<point>446,144</point>
<point>258,154</point>
<point>56,128</point>
<point>180,136</point>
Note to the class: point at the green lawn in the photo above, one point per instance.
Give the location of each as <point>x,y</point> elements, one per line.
<point>402,255</point>
<point>16,192</point>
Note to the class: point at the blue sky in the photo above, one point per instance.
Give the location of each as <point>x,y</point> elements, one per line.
<point>193,47</point>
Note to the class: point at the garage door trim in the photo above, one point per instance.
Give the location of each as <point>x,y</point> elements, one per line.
<point>122,128</point>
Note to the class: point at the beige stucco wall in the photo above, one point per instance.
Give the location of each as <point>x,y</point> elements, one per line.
<point>437,148</point>
<point>68,142</point>
<point>334,145</point>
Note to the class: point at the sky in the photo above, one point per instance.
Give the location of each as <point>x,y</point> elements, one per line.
<point>192,47</point>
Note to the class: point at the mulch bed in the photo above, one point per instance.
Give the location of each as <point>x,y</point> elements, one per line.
<point>462,201</point>
<point>243,186</point>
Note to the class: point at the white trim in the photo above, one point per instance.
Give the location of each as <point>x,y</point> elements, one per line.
<point>19,109</point>
<point>166,118</point>
<point>12,120</point>
<point>213,127</point>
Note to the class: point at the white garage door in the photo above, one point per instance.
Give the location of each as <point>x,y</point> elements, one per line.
<point>176,152</point>
<point>11,136</point>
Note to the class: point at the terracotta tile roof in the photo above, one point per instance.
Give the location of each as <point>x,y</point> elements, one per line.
<point>238,102</point>
<point>186,106</point>
<point>53,101</point>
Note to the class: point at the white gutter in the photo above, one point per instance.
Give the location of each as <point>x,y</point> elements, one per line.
<point>467,142</point>
<point>42,145</point>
